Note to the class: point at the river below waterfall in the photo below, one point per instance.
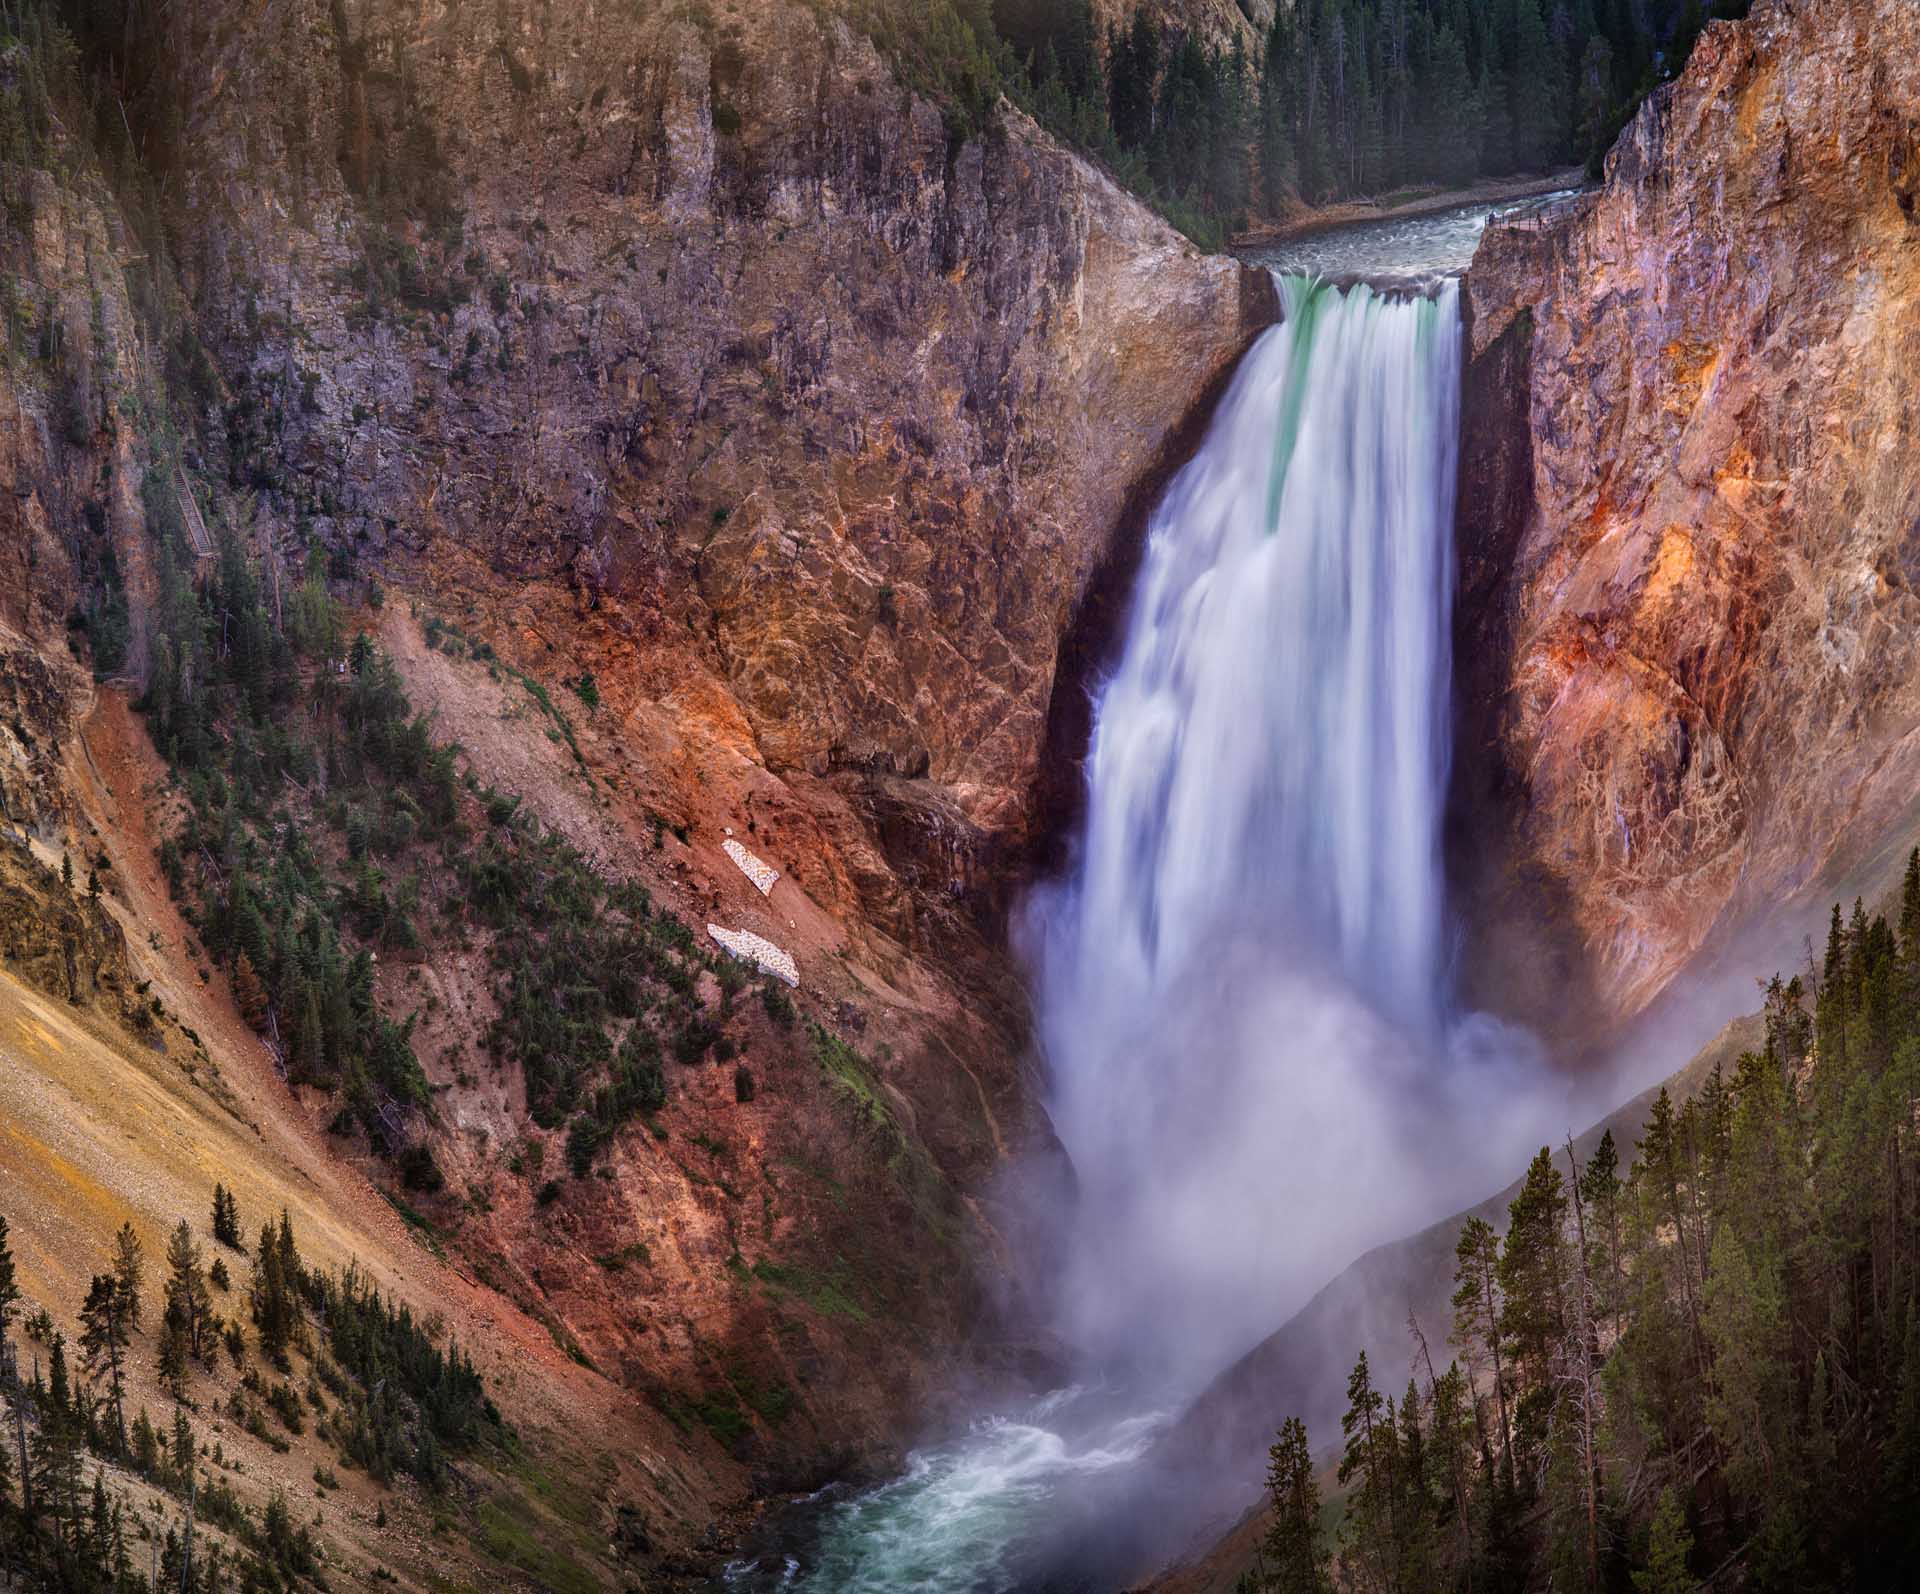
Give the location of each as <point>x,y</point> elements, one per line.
<point>1243,978</point>
<point>1022,1500</point>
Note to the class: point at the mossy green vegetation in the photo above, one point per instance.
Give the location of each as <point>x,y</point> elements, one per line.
<point>509,1534</point>
<point>852,1076</point>
<point>827,1293</point>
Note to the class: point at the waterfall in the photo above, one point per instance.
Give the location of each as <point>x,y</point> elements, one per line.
<point>1241,981</point>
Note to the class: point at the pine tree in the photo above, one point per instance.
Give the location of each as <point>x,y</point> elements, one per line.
<point>1660,1153</point>
<point>1593,97</point>
<point>172,1360</point>
<point>9,1281</point>
<point>1533,1272</point>
<point>313,621</point>
<point>1667,1551</point>
<point>1279,174</point>
<point>1450,1450</point>
<point>1370,1539</point>
<point>1910,936</point>
<point>1750,1407</point>
<point>129,1273</point>
<point>226,1218</point>
<point>289,1253</point>
<point>1577,1448</point>
<point>249,993</point>
<point>103,1337</point>
<point>56,1451</point>
<point>1900,1464</point>
<point>1600,1191</point>
<point>189,1302</point>
<point>66,870</point>
<point>271,1298</point>
<point>1535,91</point>
<point>1453,156</point>
<point>58,1407</point>
<point>1134,76</point>
<point>310,1051</point>
<point>1477,1320</point>
<point>146,1444</point>
<point>1296,1562</point>
<point>1413,1513</point>
<point>100,1526</point>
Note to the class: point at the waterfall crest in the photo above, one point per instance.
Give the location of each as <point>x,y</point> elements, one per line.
<point>1244,968</point>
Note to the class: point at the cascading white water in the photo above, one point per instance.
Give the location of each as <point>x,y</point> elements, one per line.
<point>1244,968</point>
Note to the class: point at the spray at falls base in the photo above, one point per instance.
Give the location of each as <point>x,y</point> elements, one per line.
<point>1242,980</point>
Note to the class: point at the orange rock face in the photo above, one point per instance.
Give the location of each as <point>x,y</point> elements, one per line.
<point>1688,514</point>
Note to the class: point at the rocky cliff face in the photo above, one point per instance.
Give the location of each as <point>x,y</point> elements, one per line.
<point>1690,514</point>
<point>706,319</point>
<point>688,348</point>
<point>1220,24</point>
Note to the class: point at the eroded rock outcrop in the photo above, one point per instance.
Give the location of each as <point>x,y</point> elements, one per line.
<point>1690,681</point>
<point>1219,24</point>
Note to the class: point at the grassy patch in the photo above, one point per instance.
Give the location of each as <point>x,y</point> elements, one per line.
<point>774,1401</point>
<point>509,1539</point>
<point>853,1078</point>
<point>568,1499</point>
<point>617,1261</point>
<point>719,1413</point>
<point>820,1175</point>
<point>722,1417</point>
<point>827,1295</point>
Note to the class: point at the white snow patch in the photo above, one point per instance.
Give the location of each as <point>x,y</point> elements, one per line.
<point>759,951</point>
<point>761,873</point>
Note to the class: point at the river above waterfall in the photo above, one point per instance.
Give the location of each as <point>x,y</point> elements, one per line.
<point>1413,252</point>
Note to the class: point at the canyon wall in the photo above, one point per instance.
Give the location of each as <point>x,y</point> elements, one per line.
<point>704,353</point>
<point>1690,519</point>
<point>791,383</point>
